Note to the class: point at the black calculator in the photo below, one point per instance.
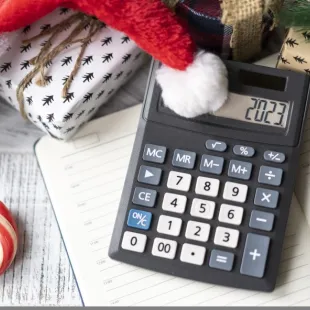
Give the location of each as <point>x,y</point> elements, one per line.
<point>208,198</point>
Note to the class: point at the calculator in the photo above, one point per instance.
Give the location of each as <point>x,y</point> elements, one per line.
<point>208,198</point>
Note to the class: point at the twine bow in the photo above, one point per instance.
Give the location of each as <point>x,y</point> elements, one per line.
<point>47,54</point>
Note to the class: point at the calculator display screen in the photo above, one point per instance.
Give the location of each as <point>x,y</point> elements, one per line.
<point>255,110</point>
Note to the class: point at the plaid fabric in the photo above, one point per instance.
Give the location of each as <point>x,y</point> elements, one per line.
<point>203,18</point>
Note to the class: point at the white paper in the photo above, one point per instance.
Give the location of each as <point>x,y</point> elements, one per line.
<point>85,182</point>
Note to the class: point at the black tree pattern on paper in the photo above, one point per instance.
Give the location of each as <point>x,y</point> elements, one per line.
<point>10,99</point>
<point>48,79</point>
<point>107,77</point>
<point>67,117</point>
<point>107,57</point>
<point>300,60</point>
<point>66,61</point>
<point>8,83</point>
<point>88,77</point>
<point>138,56</point>
<point>5,67</point>
<point>29,115</point>
<point>57,127</point>
<point>80,114</point>
<point>307,71</point>
<point>47,100</point>
<point>128,73</point>
<point>8,48</point>
<point>291,42</point>
<point>45,125</point>
<point>28,84</point>
<point>284,60</point>
<point>29,100</point>
<point>69,97</point>
<point>45,27</point>
<point>65,79</point>
<point>87,60</point>
<point>87,97</point>
<point>69,129</point>
<point>126,58</point>
<point>106,41</point>
<point>86,26</point>
<point>50,117</point>
<point>125,39</point>
<point>306,35</point>
<point>25,65</point>
<point>48,64</point>
<point>25,48</point>
<point>39,118</point>
<point>100,94</point>
<point>90,111</point>
<point>118,75</point>
<point>26,29</point>
<point>64,11</point>
<point>110,91</point>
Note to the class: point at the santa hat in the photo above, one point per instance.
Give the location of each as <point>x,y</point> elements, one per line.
<point>193,82</point>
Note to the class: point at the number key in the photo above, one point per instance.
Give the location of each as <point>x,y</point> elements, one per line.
<point>169,225</point>
<point>179,181</point>
<point>226,237</point>
<point>134,242</point>
<point>164,248</point>
<point>207,186</point>
<point>231,214</point>
<point>235,192</point>
<point>197,231</point>
<point>174,203</point>
<point>203,208</point>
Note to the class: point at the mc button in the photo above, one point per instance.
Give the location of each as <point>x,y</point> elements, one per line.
<point>154,153</point>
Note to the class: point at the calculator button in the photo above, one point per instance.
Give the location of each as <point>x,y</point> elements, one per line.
<point>134,242</point>
<point>221,260</point>
<point>274,157</point>
<point>144,197</point>
<point>270,175</point>
<point>203,208</point>
<point>193,254</point>
<point>243,150</point>
<point>139,219</point>
<point>174,203</point>
<point>184,159</point>
<point>226,237</point>
<point>207,186</point>
<point>164,248</point>
<point>197,231</point>
<point>235,192</point>
<point>239,169</point>
<point>154,153</point>
<point>215,145</point>
<point>179,181</point>
<point>261,220</point>
<point>169,225</point>
<point>149,175</point>
<point>266,198</point>
<point>231,214</point>
<point>212,164</point>
<point>255,255</point>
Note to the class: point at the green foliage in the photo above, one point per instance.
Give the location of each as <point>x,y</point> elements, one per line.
<point>295,14</point>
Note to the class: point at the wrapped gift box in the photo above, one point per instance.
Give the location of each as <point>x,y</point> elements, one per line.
<point>295,52</point>
<point>109,60</point>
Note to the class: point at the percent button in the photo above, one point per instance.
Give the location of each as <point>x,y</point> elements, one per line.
<point>242,150</point>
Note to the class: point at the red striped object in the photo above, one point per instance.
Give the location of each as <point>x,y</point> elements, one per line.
<point>8,238</point>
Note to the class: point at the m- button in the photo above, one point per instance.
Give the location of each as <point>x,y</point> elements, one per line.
<point>183,159</point>
<point>154,153</point>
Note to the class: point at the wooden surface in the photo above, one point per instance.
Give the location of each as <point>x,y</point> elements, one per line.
<point>41,274</point>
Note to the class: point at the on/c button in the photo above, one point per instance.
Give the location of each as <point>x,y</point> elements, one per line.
<point>144,197</point>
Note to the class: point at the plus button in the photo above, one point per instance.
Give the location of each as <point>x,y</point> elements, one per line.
<point>255,254</point>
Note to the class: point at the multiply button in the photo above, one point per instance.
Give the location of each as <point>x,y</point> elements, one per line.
<point>149,175</point>
<point>154,153</point>
<point>255,255</point>
<point>184,159</point>
<point>270,175</point>
<point>239,170</point>
<point>215,145</point>
<point>266,198</point>
<point>211,164</point>
<point>144,197</point>
<point>274,157</point>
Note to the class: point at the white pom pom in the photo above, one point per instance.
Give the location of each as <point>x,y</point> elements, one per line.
<point>6,40</point>
<point>200,89</point>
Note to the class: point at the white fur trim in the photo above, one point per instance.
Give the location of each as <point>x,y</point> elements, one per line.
<point>200,89</point>
<point>6,40</point>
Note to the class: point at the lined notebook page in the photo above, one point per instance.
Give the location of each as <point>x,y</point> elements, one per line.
<point>85,178</point>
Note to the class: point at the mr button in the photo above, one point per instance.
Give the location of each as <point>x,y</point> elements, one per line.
<point>183,159</point>
<point>154,153</point>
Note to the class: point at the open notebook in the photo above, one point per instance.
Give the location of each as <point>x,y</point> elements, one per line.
<point>84,179</point>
